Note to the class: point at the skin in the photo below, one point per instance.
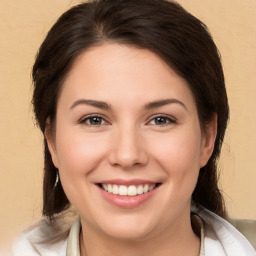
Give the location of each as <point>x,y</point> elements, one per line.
<point>128,143</point>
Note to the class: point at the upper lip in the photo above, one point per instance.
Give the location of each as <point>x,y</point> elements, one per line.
<point>128,182</point>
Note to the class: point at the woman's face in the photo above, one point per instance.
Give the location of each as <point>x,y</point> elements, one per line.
<point>127,124</point>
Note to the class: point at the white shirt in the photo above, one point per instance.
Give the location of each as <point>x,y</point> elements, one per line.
<point>218,238</point>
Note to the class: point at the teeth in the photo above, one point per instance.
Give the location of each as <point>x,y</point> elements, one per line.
<point>122,191</point>
<point>110,189</point>
<point>132,190</point>
<point>115,189</point>
<point>140,190</point>
<point>151,187</point>
<point>145,188</point>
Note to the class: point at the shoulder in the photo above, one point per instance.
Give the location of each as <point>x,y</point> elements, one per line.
<point>247,228</point>
<point>41,239</point>
<point>223,237</point>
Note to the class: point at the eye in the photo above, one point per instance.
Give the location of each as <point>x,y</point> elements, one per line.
<point>93,120</point>
<point>161,120</point>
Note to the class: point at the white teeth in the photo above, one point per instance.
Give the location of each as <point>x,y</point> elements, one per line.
<point>122,191</point>
<point>145,188</point>
<point>110,190</point>
<point>140,189</point>
<point>131,190</point>
<point>151,187</point>
<point>115,189</point>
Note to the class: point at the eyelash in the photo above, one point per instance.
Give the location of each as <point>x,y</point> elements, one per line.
<point>90,118</point>
<point>167,119</point>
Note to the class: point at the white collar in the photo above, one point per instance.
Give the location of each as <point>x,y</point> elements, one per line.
<point>221,238</point>
<point>73,239</point>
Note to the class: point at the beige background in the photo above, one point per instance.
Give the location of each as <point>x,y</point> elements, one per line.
<point>24,24</point>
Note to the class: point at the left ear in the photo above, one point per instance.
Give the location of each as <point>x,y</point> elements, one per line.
<point>208,140</point>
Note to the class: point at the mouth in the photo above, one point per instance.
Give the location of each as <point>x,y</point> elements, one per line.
<point>131,190</point>
<point>128,194</point>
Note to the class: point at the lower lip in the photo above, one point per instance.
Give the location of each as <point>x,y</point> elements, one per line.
<point>127,201</point>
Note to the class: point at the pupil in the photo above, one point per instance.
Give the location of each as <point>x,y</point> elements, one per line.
<point>160,120</point>
<point>96,120</point>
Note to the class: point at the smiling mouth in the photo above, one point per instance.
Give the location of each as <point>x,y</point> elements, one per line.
<point>131,190</point>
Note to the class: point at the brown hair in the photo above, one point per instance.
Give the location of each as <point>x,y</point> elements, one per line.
<point>163,27</point>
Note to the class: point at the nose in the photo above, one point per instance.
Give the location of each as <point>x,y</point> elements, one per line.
<point>128,149</point>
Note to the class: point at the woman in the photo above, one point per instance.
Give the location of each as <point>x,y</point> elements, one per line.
<point>131,99</point>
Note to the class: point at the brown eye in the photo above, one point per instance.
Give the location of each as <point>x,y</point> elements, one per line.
<point>94,121</point>
<point>161,120</point>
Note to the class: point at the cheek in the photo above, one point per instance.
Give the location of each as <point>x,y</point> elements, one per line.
<point>179,156</point>
<point>179,150</point>
<point>79,154</point>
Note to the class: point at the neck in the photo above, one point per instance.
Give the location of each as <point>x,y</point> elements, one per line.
<point>178,240</point>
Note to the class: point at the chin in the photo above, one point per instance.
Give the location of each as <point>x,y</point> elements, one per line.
<point>129,228</point>
<point>129,234</point>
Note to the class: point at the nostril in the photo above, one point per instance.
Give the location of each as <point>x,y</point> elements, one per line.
<point>127,151</point>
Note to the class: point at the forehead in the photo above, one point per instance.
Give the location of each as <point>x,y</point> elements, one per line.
<point>123,72</point>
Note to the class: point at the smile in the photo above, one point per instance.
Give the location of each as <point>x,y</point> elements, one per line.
<point>131,190</point>
<point>127,193</point>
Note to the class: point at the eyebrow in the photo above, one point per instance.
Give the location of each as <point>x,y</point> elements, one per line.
<point>106,106</point>
<point>160,103</point>
<point>94,103</point>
